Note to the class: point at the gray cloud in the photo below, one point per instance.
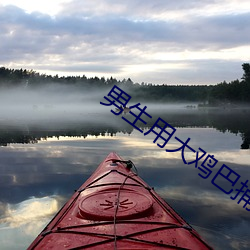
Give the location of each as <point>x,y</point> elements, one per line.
<point>112,36</point>
<point>224,29</point>
<point>132,8</point>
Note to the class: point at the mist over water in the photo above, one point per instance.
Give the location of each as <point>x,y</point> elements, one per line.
<point>61,104</point>
<point>59,110</point>
<point>51,103</point>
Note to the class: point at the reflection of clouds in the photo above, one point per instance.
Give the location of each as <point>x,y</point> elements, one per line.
<point>29,212</point>
<point>227,223</point>
<point>145,143</point>
<point>46,167</point>
<point>22,222</point>
<point>201,197</point>
<point>209,139</point>
<point>222,241</point>
<point>69,156</point>
<point>138,142</point>
<point>235,156</point>
<point>146,148</point>
<point>221,145</point>
<point>2,209</point>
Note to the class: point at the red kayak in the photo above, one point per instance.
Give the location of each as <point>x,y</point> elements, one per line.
<point>116,209</point>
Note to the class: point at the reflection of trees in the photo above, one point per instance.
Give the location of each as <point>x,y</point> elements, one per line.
<point>8,137</point>
<point>36,133</point>
<point>246,143</point>
<point>234,121</point>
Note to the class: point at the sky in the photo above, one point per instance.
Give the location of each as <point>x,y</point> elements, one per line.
<point>153,41</point>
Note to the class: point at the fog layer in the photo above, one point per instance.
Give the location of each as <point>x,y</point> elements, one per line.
<point>50,103</point>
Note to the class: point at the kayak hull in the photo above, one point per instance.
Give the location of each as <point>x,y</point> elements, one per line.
<point>116,209</point>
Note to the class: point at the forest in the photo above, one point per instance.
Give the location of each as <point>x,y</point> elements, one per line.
<point>224,93</point>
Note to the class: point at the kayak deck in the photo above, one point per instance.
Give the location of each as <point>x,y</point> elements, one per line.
<point>116,209</point>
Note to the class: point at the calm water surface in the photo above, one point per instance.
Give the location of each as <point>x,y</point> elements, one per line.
<point>44,161</point>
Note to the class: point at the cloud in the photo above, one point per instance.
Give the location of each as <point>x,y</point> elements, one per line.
<point>147,9</point>
<point>26,220</point>
<point>125,39</point>
<point>29,210</point>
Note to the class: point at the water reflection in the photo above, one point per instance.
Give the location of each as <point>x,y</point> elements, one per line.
<point>81,125</point>
<point>22,220</point>
<point>36,179</point>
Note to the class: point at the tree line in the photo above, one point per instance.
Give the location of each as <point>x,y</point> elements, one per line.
<point>236,91</point>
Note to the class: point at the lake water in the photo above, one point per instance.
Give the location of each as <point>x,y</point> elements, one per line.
<point>44,157</point>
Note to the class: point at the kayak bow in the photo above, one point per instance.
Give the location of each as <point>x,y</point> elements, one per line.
<point>116,209</point>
